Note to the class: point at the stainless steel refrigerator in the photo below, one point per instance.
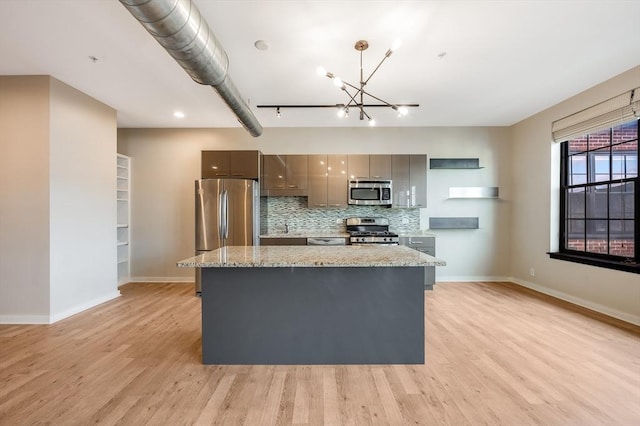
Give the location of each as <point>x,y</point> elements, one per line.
<point>227,214</point>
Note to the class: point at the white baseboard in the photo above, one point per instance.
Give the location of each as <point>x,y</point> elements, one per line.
<point>24,319</point>
<point>162,280</point>
<point>467,278</point>
<point>50,319</point>
<point>624,316</point>
<point>83,307</point>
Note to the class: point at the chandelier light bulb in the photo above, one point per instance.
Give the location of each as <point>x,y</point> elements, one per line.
<point>341,112</point>
<point>372,122</point>
<point>396,45</point>
<point>403,111</point>
<point>338,82</point>
<point>321,71</point>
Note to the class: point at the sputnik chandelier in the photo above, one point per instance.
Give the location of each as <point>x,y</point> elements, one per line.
<point>355,93</point>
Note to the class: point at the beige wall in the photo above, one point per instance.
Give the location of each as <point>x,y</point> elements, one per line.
<point>534,216</point>
<point>167,161</point>
<point>58,211</point>
<point>24,197</point>
<point>83,202</point>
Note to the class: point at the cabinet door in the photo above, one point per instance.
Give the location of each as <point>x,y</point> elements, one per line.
<point>418,179</point>
<point>274,171</point>
<point>337,180</point>
<point>215,164</point>
<point>401,191</point>
<point>296,172</point>
<point>358,166</point>
<point>243,164</point>
<point>317,181</point>
<point>380,166</point>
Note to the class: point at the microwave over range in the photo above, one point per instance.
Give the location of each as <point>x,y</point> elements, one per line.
<point>370,192</point>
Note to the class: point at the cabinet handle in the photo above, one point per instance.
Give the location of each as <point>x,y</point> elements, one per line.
<point>279,186</point>
<point>320,205</point>
<point>237,174</point>
<point>292,186</point>
<point>335,205</point>
<point>221,174</point>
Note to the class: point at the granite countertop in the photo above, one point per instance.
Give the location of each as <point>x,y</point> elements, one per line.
<point>419,233</point>
<point>340,234</point>
<point>307,234</point>
<point>310,256</point>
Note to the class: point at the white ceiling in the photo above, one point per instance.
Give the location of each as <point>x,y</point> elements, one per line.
<point>505,61</point>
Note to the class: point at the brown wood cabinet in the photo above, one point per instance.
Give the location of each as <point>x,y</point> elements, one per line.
<point>230,164</point>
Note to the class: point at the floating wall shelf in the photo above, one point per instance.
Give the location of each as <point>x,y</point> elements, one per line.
<point>453,223</point>
<point>454,163</point>
<point>474,192</point>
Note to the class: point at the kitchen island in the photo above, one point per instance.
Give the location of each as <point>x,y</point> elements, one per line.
<point>312,304</point>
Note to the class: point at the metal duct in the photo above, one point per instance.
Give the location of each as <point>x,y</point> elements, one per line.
<point>180,28</point>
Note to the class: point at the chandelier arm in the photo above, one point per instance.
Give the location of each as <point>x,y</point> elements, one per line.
<point>353,98</point>
<point>381,100</point>
<point>376,69</point>
<point>352,86</point>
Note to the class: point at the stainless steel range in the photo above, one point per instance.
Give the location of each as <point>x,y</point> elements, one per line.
<point>370,230</point>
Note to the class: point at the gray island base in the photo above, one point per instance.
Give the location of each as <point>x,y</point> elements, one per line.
<point>272,305</point>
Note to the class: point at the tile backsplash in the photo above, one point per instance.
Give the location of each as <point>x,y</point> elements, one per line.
<point>294,212</point>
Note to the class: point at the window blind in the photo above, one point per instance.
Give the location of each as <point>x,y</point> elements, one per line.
<point>609,113</point>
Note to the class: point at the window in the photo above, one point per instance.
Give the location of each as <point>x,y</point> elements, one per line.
<point>599,198</point>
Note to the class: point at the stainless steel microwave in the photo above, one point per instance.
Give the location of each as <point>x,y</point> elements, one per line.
<point>370,192</point>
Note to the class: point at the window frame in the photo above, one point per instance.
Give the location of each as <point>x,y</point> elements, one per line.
<point>629,264</point>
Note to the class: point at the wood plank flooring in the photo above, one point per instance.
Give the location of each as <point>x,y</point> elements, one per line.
<point>496,355</point>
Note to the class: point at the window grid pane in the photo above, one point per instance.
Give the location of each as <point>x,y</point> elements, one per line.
<point>600,218</point>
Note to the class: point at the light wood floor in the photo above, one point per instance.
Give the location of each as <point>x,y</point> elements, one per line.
<point>496,355</point>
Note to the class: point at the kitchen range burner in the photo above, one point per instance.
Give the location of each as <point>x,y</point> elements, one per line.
<point>370,230</point>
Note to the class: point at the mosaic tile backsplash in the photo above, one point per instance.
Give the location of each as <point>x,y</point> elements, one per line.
<point>294,212</point>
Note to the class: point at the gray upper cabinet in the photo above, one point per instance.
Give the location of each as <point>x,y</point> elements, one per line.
<point>327,181</point>
<point>296,172</point>
<point>285,175</point>
<point>230,164</point>
<point>317,181</point>
<point>409,175</point>
<point>369,166</point>
<point>380,166</point>
<point>358,166</point>
<point>337,180</point>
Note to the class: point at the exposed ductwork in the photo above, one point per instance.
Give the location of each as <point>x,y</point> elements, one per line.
<point>180,28</point>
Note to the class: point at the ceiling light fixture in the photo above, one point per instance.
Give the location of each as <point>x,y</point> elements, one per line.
<point>278,115</point>
<point>178,114</point>
<point>356,93</point>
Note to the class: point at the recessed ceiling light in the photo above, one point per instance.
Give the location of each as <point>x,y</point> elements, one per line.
<point>442,54</point>
<point>261,45</point>
<point>178,114</point>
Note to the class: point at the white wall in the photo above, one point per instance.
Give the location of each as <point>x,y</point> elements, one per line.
<point>58,206</point>
<point>534,215</point>
<point>167,161</point>
<point>24,198</point>
<point>83,203</point>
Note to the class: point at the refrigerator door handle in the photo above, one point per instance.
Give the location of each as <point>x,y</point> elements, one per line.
<point>220,217</point>
<point>225,212</point>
